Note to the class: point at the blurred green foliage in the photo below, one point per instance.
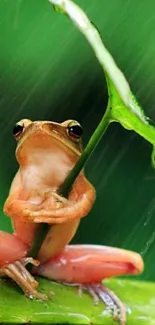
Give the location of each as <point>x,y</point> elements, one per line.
<point>48,71</point>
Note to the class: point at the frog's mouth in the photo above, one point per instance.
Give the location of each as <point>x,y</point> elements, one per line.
<point>48,135</point>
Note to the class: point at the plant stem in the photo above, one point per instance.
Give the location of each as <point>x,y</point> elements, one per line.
<point>42,231</point>
<point>95,138</point>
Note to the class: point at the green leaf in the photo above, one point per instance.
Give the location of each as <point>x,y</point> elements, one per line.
<point>65,306</point>
<point>124,107</point>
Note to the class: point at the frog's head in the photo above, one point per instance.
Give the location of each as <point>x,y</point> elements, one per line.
<point>43,137</point>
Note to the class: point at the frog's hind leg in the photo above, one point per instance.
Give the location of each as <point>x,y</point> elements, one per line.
<point>88,265</point>
<point>11,248</point>
<point>13,261</point>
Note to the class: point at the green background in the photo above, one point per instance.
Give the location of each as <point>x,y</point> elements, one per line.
<point>48,71</point>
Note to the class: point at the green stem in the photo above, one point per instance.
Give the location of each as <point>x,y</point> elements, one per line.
<point>40,236</point>
<point>95,138</point>
<point>66,186</point>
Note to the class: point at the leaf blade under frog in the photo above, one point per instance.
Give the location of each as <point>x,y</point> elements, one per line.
<point>65,306</point>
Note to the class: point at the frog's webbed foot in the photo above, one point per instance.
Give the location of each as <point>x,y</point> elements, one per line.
<point>111,301</point>
<point>99,292</point>
<point>18,272</point>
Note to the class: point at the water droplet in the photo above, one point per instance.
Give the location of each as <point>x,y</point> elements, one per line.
<point>149,121</point>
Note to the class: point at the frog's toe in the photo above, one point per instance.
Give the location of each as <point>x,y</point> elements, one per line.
<point>18,272</point>
<point>111,301</point>
<point>26,215</point>
<point>99,292</point>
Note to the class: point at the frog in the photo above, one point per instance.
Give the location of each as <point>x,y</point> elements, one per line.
<point>46,152</point>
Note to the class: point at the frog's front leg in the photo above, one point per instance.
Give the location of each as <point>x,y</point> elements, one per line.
<point>78,205</point>
<point>88,265</point>
<point>15,207</point>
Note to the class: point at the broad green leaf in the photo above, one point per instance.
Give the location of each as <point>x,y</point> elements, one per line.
<point>122,103</point>
<point>66,307</point>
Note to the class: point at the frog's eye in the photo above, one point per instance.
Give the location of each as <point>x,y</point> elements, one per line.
<point>18,130</point>
<point>75,130</point>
